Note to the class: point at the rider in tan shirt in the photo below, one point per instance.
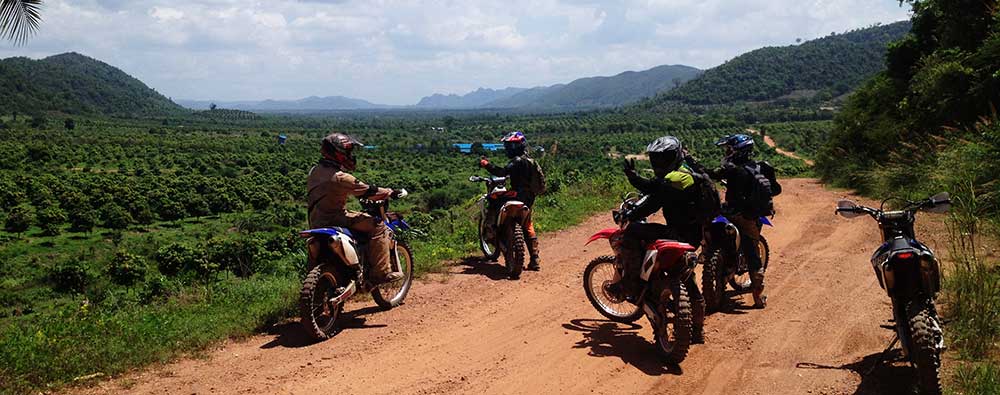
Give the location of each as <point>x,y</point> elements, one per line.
<point>329,188</point>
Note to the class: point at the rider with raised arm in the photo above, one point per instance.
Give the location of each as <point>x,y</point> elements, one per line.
<point>749,188</point>
<point>330,185</point>
<point>672,189</point>
<point>526,180</point>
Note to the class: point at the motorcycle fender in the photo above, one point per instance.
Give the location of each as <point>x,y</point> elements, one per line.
<point>604,234</point>
<point>512,207</point>
<point>344,248</point>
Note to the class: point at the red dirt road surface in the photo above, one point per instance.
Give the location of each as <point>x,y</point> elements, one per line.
<point>472,331</point>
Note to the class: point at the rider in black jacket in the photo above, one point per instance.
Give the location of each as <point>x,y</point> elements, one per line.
<point>520,171</point>
<point>739,184</point>
<point>673,190</point>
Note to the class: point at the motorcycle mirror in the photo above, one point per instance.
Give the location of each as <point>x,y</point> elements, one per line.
<point>845,208</point>
<point>940,203</point>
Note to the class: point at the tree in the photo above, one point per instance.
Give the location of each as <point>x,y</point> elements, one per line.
<point>69,124</point>
<point>50,219</point>
<point>212,107</point>
<point>82,218</point>
<point>677,82</point>
<point>19,19</point>
<point>19,219</point>
<point>115,217</point>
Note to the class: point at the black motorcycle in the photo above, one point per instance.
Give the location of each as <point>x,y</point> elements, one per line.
<point>909,272</point>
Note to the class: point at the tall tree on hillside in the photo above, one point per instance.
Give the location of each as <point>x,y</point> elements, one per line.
<point>19,19</point>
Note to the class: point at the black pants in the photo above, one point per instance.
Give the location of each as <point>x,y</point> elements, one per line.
<point>637,235</point>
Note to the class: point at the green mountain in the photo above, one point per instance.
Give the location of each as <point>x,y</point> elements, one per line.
<point>832,66</point>
<point>76,84</point>
<point>620,89</point>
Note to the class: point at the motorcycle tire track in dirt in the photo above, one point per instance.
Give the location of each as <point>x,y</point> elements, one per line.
<point>471,331</point>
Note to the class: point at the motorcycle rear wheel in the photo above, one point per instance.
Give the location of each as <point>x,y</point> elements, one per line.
<point>316,314</point>
<point>514,256</point>
<point>673,344</point>
<point>712,286</point>
<point>600,272</point>
<point>926,335</point>
<point>392,294</point>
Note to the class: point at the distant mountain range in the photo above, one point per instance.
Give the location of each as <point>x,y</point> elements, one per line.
<point>592,92</point>
<point>311,103</point>
<point>75,84</point>
<point>477,98</point>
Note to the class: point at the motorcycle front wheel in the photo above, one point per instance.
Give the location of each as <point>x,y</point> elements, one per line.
<point>713,286</point>
<point>741,281</point>
<point>601,272</point>
<point>490,250</point>
<point>392,294</point>
<point>514,256</point>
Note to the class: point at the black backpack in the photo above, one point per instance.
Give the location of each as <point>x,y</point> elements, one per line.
<point>536,184</point>
<point>762,189</point>
<point>708,204</point>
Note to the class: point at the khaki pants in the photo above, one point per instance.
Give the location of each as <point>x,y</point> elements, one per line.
<point>378,240</point>
<point>749,238</point>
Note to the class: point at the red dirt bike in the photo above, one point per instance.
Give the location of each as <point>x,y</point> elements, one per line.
<point>506,235</point>
<point>664,298</point>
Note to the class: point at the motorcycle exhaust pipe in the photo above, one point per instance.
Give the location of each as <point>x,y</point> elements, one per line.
<point>349,291</point>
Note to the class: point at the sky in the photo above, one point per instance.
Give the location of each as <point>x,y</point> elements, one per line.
<point>395,52</point>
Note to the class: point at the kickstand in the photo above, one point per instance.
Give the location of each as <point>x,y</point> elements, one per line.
<point>881,357</point>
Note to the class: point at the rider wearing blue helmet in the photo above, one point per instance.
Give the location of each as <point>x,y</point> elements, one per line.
<point>749,187</point>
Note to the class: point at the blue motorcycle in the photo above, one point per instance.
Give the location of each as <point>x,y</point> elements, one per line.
<point>723,261</point>
<point>338,271</point>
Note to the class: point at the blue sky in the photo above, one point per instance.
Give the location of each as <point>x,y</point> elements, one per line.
<point>395,52</point>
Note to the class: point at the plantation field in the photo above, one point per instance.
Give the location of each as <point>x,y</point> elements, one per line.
<point>129,241</point>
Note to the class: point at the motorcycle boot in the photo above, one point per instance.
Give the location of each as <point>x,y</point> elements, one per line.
<point>533,253</point>
<point>628,287</point>
<point>757,287</point>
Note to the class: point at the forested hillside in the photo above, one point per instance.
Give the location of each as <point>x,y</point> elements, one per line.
<point>829,66</point>
<point>76,84</point>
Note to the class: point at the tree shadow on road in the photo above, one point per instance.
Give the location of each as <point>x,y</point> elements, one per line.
<point>290,334</point>
<point>477,265</point>
<point>611,339</point>
<point>892,375</point>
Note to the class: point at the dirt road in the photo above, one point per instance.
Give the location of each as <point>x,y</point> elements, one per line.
<point>474,332</point>
<point>770,143</point>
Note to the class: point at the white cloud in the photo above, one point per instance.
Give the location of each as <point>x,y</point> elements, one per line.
<point>396,51</point>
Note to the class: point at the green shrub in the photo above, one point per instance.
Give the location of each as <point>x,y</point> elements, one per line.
<point>178,258</point>
<point>70,275</point>
<point>126,268</point>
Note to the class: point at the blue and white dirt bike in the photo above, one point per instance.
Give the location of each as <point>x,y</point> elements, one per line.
<point>723,261</point>
<point>338,271</point>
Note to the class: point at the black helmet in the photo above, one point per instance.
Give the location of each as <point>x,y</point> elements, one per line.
<point>339,147</point>
<point>514,144</point>
<point>665,155</point>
